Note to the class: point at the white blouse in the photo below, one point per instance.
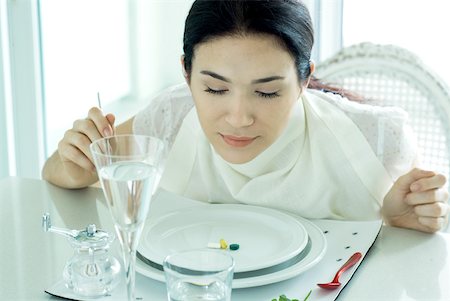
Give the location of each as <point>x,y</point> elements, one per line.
<point>385,128</point>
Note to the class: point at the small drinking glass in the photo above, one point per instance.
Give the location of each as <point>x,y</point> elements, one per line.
<point>129,168</point>
<point>201,274</point>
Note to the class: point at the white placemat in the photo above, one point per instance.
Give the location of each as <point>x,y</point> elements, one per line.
<point>343,237</point>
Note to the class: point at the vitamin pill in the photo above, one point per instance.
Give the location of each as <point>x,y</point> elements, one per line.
<point>214,245</point>
<point>223,244</point>
<point>234,247</point>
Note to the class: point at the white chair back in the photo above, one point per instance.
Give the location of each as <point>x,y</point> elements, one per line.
<point>392,76</point>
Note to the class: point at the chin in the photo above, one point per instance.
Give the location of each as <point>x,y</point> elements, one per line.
<point>237,157</point>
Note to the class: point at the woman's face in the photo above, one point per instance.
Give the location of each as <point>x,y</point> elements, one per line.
<point>244,88</point>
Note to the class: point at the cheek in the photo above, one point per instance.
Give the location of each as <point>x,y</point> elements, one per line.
<point>206,110</point>
<point>277,122</point>
<point>207,114</point>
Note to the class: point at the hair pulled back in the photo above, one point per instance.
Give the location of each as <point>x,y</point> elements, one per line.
<point>289,20</point>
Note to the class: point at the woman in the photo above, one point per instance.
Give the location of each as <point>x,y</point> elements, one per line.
<point>246,129</point>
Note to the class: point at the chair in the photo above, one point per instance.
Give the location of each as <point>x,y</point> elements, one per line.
<point>392,76</point>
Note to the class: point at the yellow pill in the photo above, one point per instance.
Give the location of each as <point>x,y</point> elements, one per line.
<point>223,244</point>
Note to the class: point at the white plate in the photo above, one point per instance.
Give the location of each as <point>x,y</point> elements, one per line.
<point>317,251</point>
<point>266,237</point>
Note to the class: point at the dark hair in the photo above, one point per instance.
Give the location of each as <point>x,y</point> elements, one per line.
<point>288,20</point>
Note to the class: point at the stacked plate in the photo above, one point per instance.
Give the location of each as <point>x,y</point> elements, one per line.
<point>274,246</point>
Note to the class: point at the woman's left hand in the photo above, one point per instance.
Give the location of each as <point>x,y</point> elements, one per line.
<point>417,200</point>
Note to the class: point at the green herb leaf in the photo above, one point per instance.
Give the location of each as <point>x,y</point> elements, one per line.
<point>284,298</point>
<point>307,296</point>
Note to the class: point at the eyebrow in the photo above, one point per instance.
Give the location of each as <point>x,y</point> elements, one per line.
<point>256,81</point>
<point>215,75</point>
<point>267,79</point>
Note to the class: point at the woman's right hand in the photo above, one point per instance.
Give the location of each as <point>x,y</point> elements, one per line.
<point>74,150</point>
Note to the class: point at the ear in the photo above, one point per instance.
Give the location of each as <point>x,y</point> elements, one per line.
<point>183,69</point>
<point>312,68</point>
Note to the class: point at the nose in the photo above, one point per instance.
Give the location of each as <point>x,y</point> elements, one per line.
<point>239,113</point>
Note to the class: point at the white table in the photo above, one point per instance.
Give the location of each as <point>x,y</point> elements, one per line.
<point>402,264</point>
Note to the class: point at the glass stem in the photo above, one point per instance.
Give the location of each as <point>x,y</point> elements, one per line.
<point>130,273</point>
<point>129,241</point>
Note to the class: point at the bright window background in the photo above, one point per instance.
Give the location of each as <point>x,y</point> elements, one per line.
<point>85,50</point>
<point>417,25</point>
<point>127,50</point>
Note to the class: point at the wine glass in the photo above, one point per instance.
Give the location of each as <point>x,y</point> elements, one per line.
<point>129,168</point>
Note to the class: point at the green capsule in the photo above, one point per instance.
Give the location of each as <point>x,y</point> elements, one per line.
<point>234,247</point>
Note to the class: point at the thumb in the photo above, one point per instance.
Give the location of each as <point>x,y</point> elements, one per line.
<point>111,119</point>
<point>404,182</point>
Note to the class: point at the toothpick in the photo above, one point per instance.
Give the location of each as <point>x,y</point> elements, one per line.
<point>98,100</point>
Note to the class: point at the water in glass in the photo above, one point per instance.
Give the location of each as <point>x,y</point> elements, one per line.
<point>186,290</point>
<point>128,187</point>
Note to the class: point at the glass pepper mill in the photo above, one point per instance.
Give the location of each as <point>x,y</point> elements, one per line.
<point>92,271</point>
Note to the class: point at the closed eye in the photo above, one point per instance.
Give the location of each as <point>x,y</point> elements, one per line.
<point>267,95</point>
<point>215,92</point>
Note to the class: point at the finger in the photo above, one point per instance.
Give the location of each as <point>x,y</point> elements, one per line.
<point>85,127</point>
<point>101,122</point>
<point>111,119</point>
<point>404,182</point>
<point>80,159</point>
<point>70,153</point>
<point>432,210</point>
<point>427,197</point>
<point>432,223</point>
<point>80,141</point>
<point>427,183</point>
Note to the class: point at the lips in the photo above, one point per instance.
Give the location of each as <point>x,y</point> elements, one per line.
<point>236,141</point>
